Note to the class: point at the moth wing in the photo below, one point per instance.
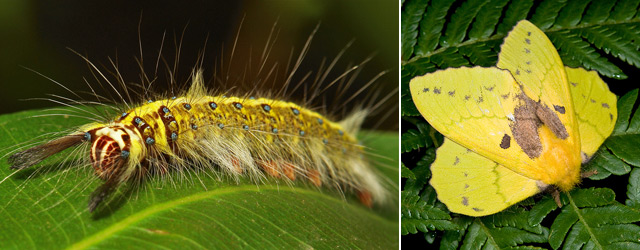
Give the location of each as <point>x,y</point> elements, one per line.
<point>474,108</point>
<point>473,185</point>
<point>535,64</point>
<point>595,108</point>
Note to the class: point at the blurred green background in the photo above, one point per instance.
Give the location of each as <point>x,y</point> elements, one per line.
<point>36,35</point>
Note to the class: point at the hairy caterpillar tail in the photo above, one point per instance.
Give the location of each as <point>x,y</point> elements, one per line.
<point>241,136</point>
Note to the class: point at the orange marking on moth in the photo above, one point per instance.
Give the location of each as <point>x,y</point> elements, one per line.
<point>314,176</point>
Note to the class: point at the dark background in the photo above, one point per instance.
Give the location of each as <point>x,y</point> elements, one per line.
<point>39,34</point>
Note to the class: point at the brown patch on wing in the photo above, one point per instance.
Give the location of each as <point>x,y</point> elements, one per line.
<point>559,108</point>
<point>506,141</point>
<point>528,117</point>
<point>551,119</point>
<point>525,127</point>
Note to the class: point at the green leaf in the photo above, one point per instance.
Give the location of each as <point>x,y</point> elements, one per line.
<point>546,13</point>
<point>460,22</point>
<point>431,25</point>
<point>414,139</point>
<point>623,142</point>
<point>418,215</point>
<point>633,189</point>
<point>584,221</point>
<point>503,230</point>
<point>46,206</point>
<point>411,15</point>
<point>405,172</point>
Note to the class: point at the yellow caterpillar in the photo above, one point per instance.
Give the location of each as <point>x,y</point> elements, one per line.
<point>239,135</point>
<point>200,130</point>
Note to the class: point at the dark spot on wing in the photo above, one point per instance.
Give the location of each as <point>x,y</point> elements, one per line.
<point>574,83</point>
<point>466,97</point>
<point>465,174</point>
<point>593,101</point>
<point>529,33</point>
<point>506,141</point>
<point>517,72</point>
<point>559,108</point>
<point>480,99</point>
<point>605,105</point>
<point>452,93</point>
<point>466,186</point>
<point>505,96</point>
<point>477,209</point>
<point>527,40</point>
<point>425,90</point>
<point>528,62</point>
<point>527,51</point>
<point>610,116</point>
<point>465,201</point>
<point>456,161</point>
<point>528,71</point>
<point>490,88</point>
<point>436,91</point>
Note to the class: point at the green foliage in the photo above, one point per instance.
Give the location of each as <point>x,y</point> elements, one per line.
<point>46,206</point>
<point>418,215</point>
<point>599,35</point>
<point>414,139</point>
<point>584,32</point>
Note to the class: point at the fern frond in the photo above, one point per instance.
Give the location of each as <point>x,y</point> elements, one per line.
<point>405,172</point>
<point>414,139</point>
<point>584,32</point>
<point>505,230</point>
<point>633,189</point>
<point>418,215</point>
<point>591,218</point>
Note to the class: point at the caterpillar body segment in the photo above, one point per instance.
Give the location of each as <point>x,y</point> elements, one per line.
<point>254,137</point>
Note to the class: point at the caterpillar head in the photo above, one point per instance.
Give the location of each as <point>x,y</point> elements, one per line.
<point>110,150</point>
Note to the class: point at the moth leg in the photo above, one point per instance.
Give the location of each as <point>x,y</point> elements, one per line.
<point>588,173</point>
<point>556,197</point>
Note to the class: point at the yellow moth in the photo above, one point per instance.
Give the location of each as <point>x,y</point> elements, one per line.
<point>515,129</point>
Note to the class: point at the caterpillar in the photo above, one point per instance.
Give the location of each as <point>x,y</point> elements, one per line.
<point>239,135</point>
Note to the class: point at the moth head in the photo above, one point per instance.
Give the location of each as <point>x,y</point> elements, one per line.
<point>110,149</point>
